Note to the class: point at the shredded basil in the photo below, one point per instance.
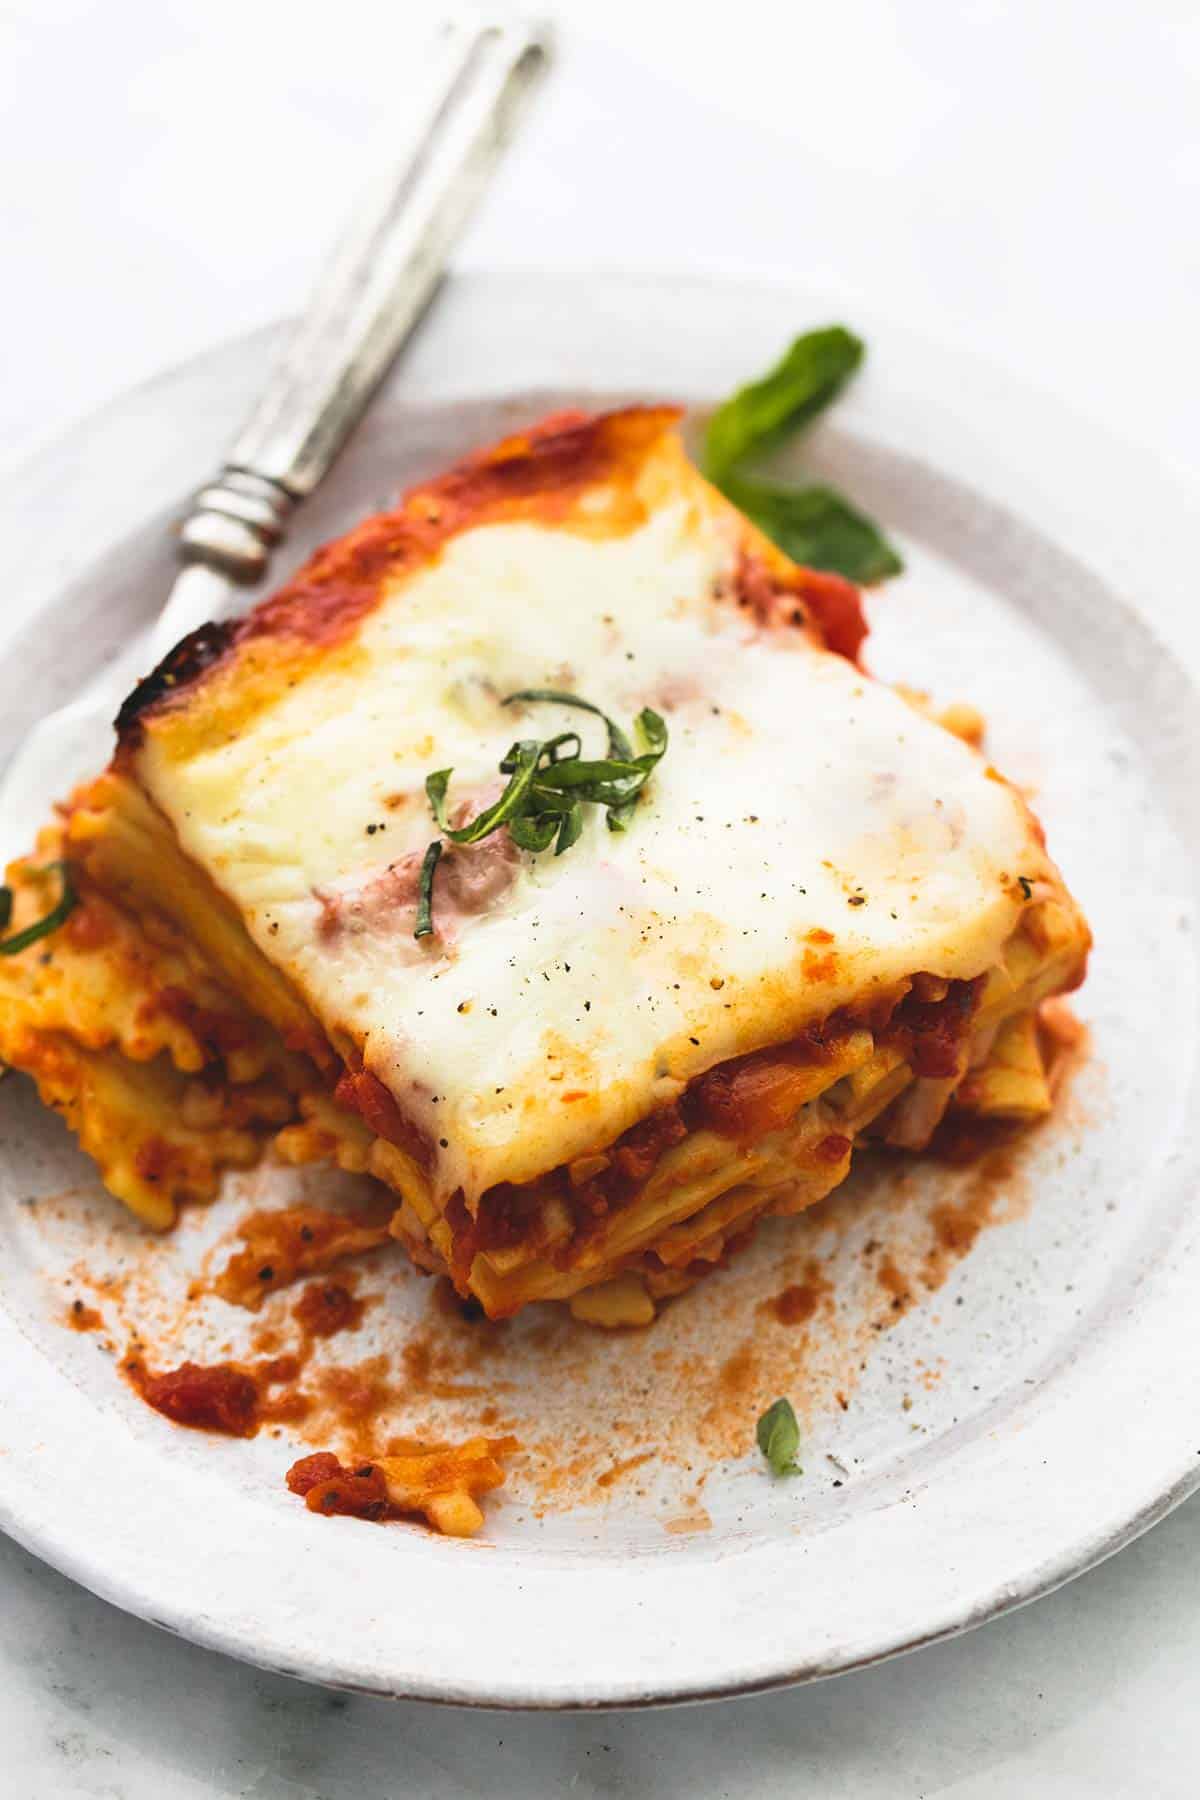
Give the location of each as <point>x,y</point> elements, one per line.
<point>618,743</point>
<point>779,1438</point>
<point>549,783</point>
<point>522,759</point>
<point>433,857</point>
<point>58,914</point>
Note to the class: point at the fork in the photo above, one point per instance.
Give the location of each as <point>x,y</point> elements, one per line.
<point>380,279</point>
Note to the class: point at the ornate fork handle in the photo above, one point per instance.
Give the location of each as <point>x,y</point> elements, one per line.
<point>379,282</point>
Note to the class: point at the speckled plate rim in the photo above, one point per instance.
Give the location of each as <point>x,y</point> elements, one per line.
<point>469,1625</point>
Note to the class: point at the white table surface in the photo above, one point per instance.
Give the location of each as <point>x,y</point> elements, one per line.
<point>1019,175</point>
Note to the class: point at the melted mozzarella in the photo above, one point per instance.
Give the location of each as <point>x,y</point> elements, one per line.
<point>602,980</point>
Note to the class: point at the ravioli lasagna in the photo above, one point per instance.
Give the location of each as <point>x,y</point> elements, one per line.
<point>825,919</point>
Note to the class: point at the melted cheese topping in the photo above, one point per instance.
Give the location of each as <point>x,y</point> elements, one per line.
<point>807,838</point>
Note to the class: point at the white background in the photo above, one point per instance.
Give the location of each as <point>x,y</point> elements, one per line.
<point>1023,177</point>
<point>1024,174</point>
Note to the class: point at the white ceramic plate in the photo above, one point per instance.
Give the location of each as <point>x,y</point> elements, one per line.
<point>1035,1407</point>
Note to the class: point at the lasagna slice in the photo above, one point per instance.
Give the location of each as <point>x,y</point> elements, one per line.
<point>585,1075</point>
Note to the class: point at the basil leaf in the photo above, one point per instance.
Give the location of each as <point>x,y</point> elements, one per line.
<point>433,857</point>
<point>58,914</point>
<point>813,525</point>
<point>816,527</point>
<point>778,1436</point>
<point>549,783</point>
<point>547,800</point>
<point>760,415</point>
<point>618,743</point>
<point>569,828</point>
<point>522,759</point>
<point>578,773</point>
<point>652,732</point>
<point>6,906</point>
<point>552,749</point>
<point>529,832</point>
<point>435,792</point>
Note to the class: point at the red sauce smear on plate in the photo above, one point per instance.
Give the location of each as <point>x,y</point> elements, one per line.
<point>217,1397</point>
<point>327,1486</point>
<point>235,1398</point>
<point>283,1244</point>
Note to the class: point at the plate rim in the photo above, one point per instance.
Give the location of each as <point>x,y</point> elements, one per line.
<point>472,292</point>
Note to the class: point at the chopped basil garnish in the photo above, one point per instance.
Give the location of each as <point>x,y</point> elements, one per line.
<point>433,857</point>
<point>67,901</point>
<point>779,1438</point>
<point>813,525</point>
<point>618,743</point>
<point>549,782</point>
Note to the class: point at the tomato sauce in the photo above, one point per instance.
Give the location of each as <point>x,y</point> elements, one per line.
<point>220,1397</point>
<point>931,1033</point>
<point>800,596</point>
<point>283,1244</point>
<point>218,1032</point>
<point>328,1487</point>
<point>327,1307</point>
<point>361,1092</point>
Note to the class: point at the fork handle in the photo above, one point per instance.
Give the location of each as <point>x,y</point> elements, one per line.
<point>379,281</point>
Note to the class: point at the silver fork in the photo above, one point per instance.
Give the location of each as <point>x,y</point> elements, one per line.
<point>378,283</point>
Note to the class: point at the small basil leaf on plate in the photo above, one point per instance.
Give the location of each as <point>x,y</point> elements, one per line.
<point>818,528</point>
<point>812,524</point>
<point>810,374</point>
<point>779,1438</point>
